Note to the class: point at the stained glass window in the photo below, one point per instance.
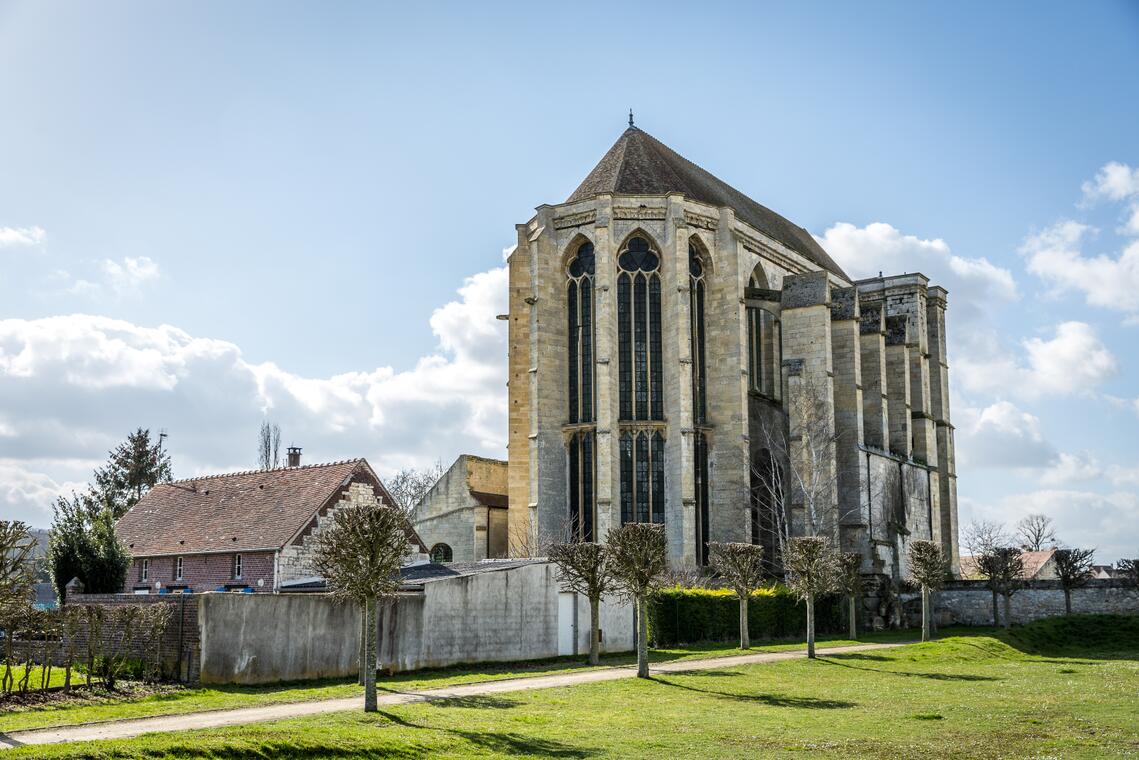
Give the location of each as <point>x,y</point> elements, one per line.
<point>639,347</point>
<point>696,313</point>
<point>642,476</point>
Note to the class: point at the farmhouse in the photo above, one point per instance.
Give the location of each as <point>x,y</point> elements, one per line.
<point>246,531</point>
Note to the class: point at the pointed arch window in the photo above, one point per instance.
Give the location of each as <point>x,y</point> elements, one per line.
<point>702,511</point>
<point>765,348</point>
<point>579,302</point>
<point>696,293</point>
<point>642,476</point>
<point>640,374</point>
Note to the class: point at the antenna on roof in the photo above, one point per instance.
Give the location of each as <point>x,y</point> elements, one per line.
<point>630,117</point>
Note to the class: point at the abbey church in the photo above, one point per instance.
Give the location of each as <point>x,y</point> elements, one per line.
<point>683,355</point>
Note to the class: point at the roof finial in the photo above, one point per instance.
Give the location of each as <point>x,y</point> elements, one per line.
<point>630,117</point>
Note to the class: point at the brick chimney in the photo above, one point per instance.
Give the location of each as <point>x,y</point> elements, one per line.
<point>294,456</point>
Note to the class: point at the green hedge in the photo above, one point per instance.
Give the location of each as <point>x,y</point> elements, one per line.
<point>687,615</point>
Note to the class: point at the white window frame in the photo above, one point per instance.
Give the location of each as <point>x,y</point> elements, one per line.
<point>237,567</point>
<point>178,568</point>
<point>145,570</point>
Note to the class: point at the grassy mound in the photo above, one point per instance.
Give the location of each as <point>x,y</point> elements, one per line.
<point>1077,633</point>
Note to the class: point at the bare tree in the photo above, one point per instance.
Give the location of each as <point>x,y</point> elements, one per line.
<point>1073,569</point>
<point>16,565</point>
<point>850,584</point>
<point>269,445</point>
<point>408,486</point>
<point>812,569</point>
<point>639,555</point>
<point>585,569</point>
<point>741,566</point>
<point>1035,532</point>
<point>359,555</point>
<point>928,568</point>
<point>983,536</point>
<point>1128,570</point>
<point>1004,570</point>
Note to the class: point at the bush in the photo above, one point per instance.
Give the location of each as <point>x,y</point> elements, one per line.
<point>681,615</point>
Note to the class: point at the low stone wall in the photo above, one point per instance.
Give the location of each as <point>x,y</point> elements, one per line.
<point>507,615</point>
<point>267,638</point>
<point>971,603</point>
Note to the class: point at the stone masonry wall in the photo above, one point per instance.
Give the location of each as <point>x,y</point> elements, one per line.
<point>970,602</point>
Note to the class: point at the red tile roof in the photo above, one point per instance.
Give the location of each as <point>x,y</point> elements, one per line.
<point>241,511</point>
<point>1033,563</point>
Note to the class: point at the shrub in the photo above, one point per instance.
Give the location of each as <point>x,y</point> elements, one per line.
<point>680,615</point>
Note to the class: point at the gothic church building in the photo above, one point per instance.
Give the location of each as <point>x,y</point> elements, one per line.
<point>681,354</point>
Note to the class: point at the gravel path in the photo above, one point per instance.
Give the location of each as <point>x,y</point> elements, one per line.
<point>124,729</point>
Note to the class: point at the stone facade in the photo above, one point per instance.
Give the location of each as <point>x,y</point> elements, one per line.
<point>466,511</point>
<point>294,562</point>
<point>873,352</point>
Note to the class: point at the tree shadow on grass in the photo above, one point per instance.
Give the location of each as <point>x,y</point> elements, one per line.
<point>283,749</point>
<point>771,700</point>
<point>501,743</point>
<point>833,660</point>
<point>475,701</point>
<point>861,656</point>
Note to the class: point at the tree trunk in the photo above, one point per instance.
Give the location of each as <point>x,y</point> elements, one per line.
<point>594,630</point>
<point>811,626</point>
<point>924,612</point>
<point>1008,610</point>
<point>745,635</point>
<point>363,641</point>
<point>853,618</point>
<point>996,615</point>
<point>370,657</point>
<point>1067,601</point>
<point>642,637</point>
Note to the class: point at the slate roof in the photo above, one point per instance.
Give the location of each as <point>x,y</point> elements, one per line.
<point>242,511</point>
<point>639,164</point>
<point>425,572</point>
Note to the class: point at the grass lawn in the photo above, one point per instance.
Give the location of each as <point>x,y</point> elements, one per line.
<point>102,707</point>
<point>1062,688</point>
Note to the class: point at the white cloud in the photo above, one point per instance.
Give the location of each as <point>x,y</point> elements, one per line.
<point>130,273</point>
<point>21,237</point>
<point>1056,256</point>
<point>973,283</point>
<point>1114,181</point>
<point>1108,522</point>
<point>1074,361</point>
<point>27,494</point>
<point>75,385</point>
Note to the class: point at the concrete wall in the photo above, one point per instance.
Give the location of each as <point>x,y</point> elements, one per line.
<point>262,638</point>
<point>506,615</point>
<point>970,602</point>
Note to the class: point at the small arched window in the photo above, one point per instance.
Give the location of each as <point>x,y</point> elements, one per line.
<point>765,349</point>
<point>441,553</point>
<point>640,375</point>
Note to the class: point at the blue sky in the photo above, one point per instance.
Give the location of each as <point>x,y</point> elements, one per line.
<point>212,212</point>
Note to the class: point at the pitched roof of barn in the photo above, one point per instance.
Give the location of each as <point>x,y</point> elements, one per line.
<point>639,164</point>
<point>241,511</point>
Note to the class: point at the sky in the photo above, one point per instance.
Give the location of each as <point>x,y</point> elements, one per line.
<point>216,213</point>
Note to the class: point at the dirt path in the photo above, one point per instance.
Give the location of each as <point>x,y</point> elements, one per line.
<point>125,729</point>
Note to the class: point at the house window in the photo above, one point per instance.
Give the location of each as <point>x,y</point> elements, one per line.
<point>178,569</point>
<point>640,374</point>
<point>237,566</point>
<point>145,573</point>
<point>441,553</point>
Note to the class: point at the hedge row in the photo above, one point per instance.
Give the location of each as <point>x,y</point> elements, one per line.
<point>687,615</point>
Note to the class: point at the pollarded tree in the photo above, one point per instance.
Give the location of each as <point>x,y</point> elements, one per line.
<point>850,585</point>
<point>585,568</point>
<point>639,553</point>
<point>741,566</point>
<point>812,570</point>
<point>928,568</point>
<point>1128,570</point>
<point>1004,570</point>
<point>359,554</point>
<point>1073,569</point>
